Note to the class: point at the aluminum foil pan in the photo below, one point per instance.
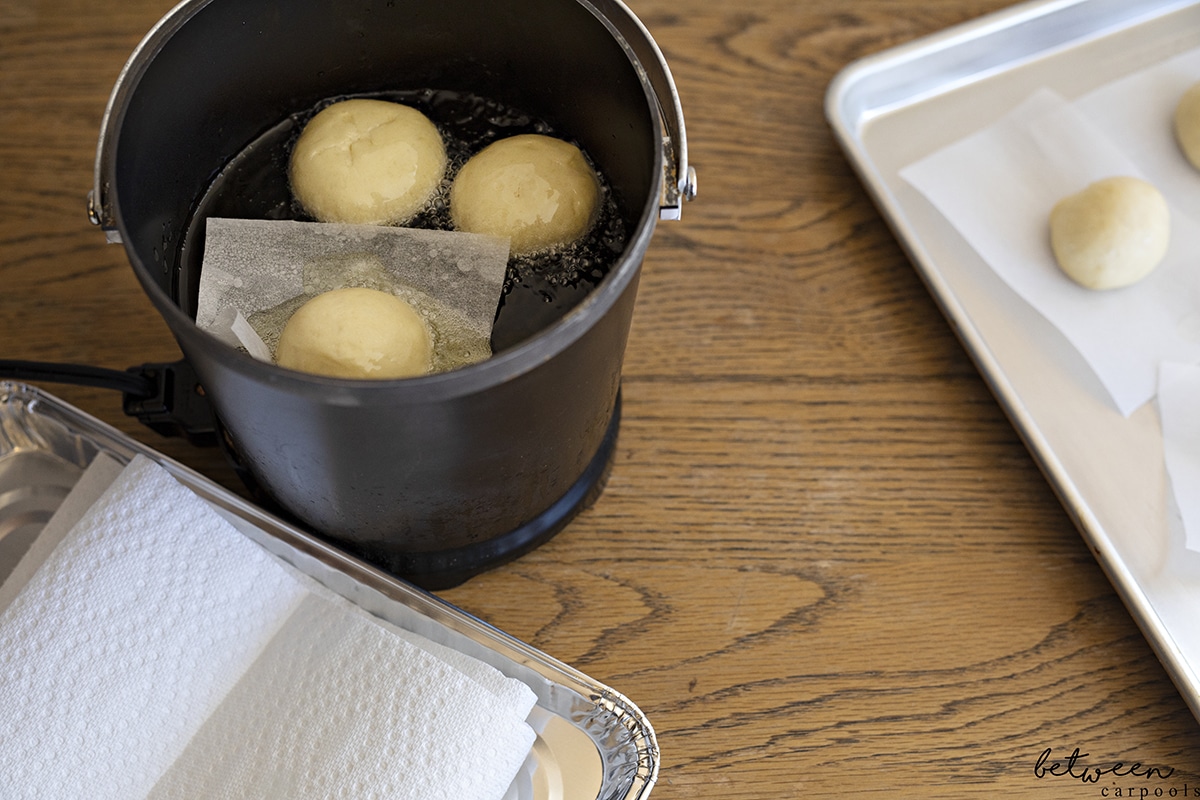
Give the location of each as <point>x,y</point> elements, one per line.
<point>592,742</point>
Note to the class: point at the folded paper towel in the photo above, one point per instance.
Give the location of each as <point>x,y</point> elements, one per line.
<point>372,715</point>
<point>157,652</point>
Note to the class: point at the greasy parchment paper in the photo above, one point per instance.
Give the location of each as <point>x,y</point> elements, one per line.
<point>997,187</point>
<point>256,273</point>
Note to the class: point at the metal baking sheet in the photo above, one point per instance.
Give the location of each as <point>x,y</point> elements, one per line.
<point>893,108</point>
<point>592,742</point>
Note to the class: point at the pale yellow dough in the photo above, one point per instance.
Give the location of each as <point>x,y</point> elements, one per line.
<point>1111,234</point>
<point>356,333</point>
<point>537,191</point>
<point>368,162</point>
<point>1187,124</point>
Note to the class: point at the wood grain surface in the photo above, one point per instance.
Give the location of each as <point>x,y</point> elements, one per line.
<point>824,564</point>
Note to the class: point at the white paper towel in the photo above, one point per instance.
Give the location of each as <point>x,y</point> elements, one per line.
<point>127,638</point>
<point>336,704</point>
<point>157,652</point>
<point>94,482</point>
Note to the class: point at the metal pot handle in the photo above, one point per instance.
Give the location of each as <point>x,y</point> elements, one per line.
<point>98,208</point>
<point>679,179</point>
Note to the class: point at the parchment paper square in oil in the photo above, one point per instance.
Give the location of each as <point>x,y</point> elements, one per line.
<point>256,273</point>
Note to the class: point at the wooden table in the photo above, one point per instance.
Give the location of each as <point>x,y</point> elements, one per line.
<point>824,564</point>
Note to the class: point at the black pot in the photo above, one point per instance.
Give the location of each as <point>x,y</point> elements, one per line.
<point>434,478</point>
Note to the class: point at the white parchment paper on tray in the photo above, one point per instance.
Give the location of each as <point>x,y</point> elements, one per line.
<point>997,187</point>
<point>1178,402</point>
<point>256,272</point>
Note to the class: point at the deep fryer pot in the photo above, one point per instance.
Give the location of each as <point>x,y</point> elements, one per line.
<point>434,478</point>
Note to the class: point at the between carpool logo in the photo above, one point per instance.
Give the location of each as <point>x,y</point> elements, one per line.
<point>1120,779</point>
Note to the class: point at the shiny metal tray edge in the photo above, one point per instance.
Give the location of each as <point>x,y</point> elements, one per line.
<point>35,424</point>
<point>950,61</point>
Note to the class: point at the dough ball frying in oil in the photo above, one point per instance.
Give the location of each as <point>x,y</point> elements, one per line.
<point>537,191</point>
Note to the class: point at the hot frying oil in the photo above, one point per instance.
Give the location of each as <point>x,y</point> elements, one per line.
<point>538,289</point>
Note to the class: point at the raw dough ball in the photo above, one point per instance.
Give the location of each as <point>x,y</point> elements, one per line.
<point>1187,124</point>
<point>369,162</point>
<point>356,333</point>
<point>538,191</point>
<point>1111,234</point>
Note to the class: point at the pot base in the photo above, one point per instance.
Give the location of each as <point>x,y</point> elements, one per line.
<point>445,569</point>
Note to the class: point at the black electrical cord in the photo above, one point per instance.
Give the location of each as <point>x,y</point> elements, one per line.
<point>130,383</point>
